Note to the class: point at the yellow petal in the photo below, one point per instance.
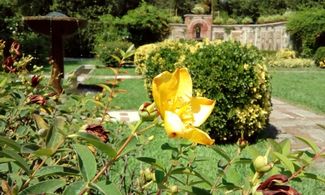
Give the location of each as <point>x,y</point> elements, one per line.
<point>168,87</point>
<point>197,136</point>
<point>159,88</point>
<point>175,128</point>
<point>201,108</point>
<point>184,88</point>
<point>173,124</point>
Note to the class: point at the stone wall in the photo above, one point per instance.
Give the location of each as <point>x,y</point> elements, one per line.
<point>272,36</point>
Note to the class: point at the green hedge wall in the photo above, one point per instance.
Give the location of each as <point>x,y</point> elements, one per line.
<point>228,72</point>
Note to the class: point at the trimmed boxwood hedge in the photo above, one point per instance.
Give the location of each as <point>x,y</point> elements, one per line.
<point>228,72</point>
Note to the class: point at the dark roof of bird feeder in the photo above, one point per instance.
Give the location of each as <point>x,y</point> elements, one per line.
<point>54,22</point>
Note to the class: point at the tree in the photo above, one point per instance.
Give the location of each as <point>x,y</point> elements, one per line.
<point>146,24</point>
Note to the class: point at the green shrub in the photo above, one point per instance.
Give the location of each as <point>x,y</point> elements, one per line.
<point>247,20</point>
<point>200,8</point>
<point>140,56</point>
<point>105,50</point>
<point>307,29</point>
<point>319,57</point>
<point>285,54</point>
<point>175,19</point>
<point>36,45</point>
<point>291,63</point>
<point>146,24</point>
<point>271,19</point>
<point>231,21</point>
<point>218,20</point>
<point>228,72</point>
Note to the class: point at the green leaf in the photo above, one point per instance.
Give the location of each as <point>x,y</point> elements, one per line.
<point>44,152</point>
<point>56,170</point>
<point>252,151</point>
<point>54,137</point>
<point>92,139</point>
<point>159,175</point>
<point>166,146</point>
<point>242,161</point>
<point>199,175</point>
<point>276,146</point>
<point>286,162</point>
<point>313,176</point>
<point>310,143</point>
<point>147,160</point>
<point>6,160</point>
<point>107,88</point>
<point>150,161</point>
<point>98,103</point>
<point>18,159</point>
<point>286,147</point>
<point>107,188</point>
<point>221,152</point>
<point>29,148</point>
<point>116,58</point>
<point>86,160</point>
<point>3,82</point>
<point>40,122</point>
<point>200,191</point>
<point>48,186</point>
<point>74,188</point>
<point>232,176</point>
<point>12,144</point>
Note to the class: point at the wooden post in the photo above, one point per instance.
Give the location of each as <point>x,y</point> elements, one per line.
<point>57,73</point>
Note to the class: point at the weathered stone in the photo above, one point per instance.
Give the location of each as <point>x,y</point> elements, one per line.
<point>271,36</point>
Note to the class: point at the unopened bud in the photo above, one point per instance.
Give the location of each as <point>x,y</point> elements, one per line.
<point>242,143</point>
<point>261,165</point>
<point>148,174</point>
<point>173,189</point>
<point>147,111</point>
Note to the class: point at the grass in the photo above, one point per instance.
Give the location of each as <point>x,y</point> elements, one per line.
<point>304,87</point>
<point>71,65</point>
<point>134,95</point>
<point>109,71</point>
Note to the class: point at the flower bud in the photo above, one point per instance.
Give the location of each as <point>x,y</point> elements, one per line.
<point>37,99</point>
<point>261,165</point>
<point>148,175</point>
<point>173,189</point>
<point>242,143</point>
<point>147,111</point>
<point>98,131</point>
<point>259,162</point>
<point>35,80</point>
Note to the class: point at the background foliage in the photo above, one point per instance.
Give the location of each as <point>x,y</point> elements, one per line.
<point>307,29</point>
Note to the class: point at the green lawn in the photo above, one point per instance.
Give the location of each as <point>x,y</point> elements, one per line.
<point>305,87</point>
<point>102,70</point>
<point>71,65</point>
<point>133,96</point>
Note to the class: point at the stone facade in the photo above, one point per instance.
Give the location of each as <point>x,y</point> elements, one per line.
<point>272,36</point>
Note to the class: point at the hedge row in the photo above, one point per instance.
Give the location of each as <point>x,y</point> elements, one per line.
<point>228,72</point>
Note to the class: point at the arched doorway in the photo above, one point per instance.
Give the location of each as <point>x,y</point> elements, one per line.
<point>197,30</point>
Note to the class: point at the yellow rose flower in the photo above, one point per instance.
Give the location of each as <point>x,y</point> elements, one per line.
<point>182,113</point>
